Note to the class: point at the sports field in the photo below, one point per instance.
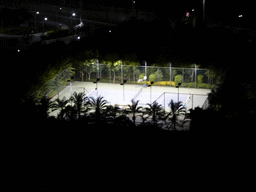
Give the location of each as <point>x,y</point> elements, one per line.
<point>117,94</point>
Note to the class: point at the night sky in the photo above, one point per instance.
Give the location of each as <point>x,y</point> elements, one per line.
<point>214,7</point>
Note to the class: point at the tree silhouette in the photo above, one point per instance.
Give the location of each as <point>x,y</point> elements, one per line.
<point>112,111</point>
<point>133,109</point>
<point>60,104</point>
<point>155,110</point>
<point>176,108</point>
<point>99,105</point>
<point>44,105</point>
<point>80,102</point>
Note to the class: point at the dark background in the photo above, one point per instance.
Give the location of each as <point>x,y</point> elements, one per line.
<point>56,162</point>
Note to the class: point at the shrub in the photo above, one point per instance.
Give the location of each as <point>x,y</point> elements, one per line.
<point>200,78</point>
<point>173,84</point>
<point>202,85</point>
<point>159,74</point>
<point>162,83</point>
<point>189,85</point>
<point>178,79</point>
<point>153,77</point>
<point>141,76</point>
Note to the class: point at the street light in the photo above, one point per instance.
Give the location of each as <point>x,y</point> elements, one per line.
<point>151,83</point>
<point>203,10</point>
<point>45,19</point>
<point>178,90</point>
<point>73,14</point>
<point>37,13</point>
<point>123,87</point>
<point>97,85</point>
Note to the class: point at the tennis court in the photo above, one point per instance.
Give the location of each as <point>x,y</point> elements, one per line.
<point>117,94</point>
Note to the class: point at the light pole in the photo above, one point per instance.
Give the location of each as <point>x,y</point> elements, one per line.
<point>151,83</point>
<point>203,9</point>
<point>37,13</point>
<point>45,19</point>
<point>73,14</point>
<point>145,77</point>
<point>123,88</point>
<point>178,91</point>
<point>97,85</point>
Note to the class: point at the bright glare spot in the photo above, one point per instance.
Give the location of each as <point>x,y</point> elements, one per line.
<point>74,14</point>
<point>18,50</point>
<point>37,12</point>
<point>109,31</point>
<point>60,8</point>
<point>45,18</point>
<point>78,37</point>
<point>193,9</point>
<point>240,15</point>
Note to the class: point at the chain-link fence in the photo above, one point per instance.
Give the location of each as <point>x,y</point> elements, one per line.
<point>161,76</point>
<point>56,85</point>
<point>189,101</point>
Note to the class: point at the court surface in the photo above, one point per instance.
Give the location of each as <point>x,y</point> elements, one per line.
<point>117,94</point>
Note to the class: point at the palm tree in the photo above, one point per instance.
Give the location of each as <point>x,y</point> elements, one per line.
<point>134,108</point>
<point>144,118</point>
<point>113,110</point>
<point>176,108</point>
<point>60,104</point>
<point>44,106</point>
<point>80,102</point>
<point>70,112</point>
<point>154,110</point>
<point>99,105</point>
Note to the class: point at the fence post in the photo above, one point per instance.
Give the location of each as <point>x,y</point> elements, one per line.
<point>164,102</point>
<point>208,78</point>
<point>122,72</point>
<point>58,86</point>
<point>170,75</point>
<point>195,76</point>
<point>86,78</point>
<point>182,76</point>
<point>145,68</point>
<point>158,76</point>
<point>109,74</point>
<point>98,69</point>
<point>192,101</point>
